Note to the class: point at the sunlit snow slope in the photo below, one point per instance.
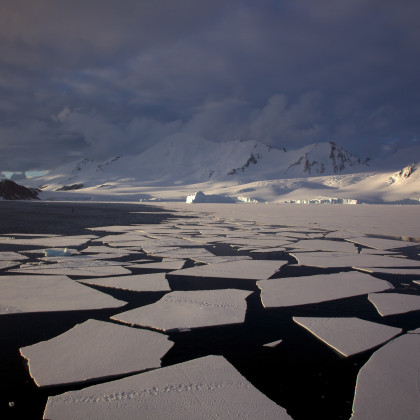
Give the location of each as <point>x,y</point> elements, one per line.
<point>245,170</point>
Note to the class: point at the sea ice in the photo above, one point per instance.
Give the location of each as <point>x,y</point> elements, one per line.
<point>348,336</point>
<point>50,241</point>
<point>339,259</point>
<point>74,266</point>
<point>325,245</point>
<point>246,270</point>
<point>57,252</point>
<point>93,350</point>
<point>12,256</point>
<point>396,271</point>
<point>8,264</point>
<point>387,386</point>
<point>205,388</point>
<point>380,243</point>
<point>48,294</point>
<point>191,309</point>
<point>136,283</point>
<point>166,265</point>
<point>292,291</point>
<point>273,344</point>
<point>394,303</point>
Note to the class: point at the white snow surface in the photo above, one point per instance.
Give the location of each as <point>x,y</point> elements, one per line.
<point>348,336</point>
<point>175,168</point>
<point>387,386</point>
<point>205,388</point>
<point>292,291</point>
<point>93,350</point>
<point>394,303</point>
<point>190,309</point>
<point>49,293</point>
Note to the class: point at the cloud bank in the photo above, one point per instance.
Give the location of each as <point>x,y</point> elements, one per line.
<point>107,77</point>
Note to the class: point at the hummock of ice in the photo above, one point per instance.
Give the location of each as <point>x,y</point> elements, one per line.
<point>200,197</point>
<point>50,293</point>
<point>387,386</point>
<point>93,350</point>
<point>244,269</point>
<point>137,283</point>
<point>348,336</point>
<point>394,303</point>
<point>205,388</point>
<point>191,309</point>
<point>292,291</point>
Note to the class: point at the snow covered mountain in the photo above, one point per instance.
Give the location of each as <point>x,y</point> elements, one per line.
<point>177,167</point>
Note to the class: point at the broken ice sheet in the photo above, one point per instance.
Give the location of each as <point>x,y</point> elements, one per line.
<point>74,266</point>
<point>304,290</point>
<point>205,388</point>
<point>53,241</point>
<point>93,350</point>
<point>244,269</point>
<point>190,309</point>
<point>341,259</point>
<point>50,293</point>
<point>165,265</point>
<point>387,386</point>
<point>325,245</point>
<point>394,303</point>
<point>12,256</point>
<point>348,336</point>
<point>137,283</point>
<point>380,243</point>
<point>396,270</point>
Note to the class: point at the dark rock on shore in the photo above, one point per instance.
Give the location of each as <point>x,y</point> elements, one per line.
<point>9,190</point>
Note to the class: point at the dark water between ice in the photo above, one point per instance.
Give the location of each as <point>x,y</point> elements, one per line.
<point>301,374</point>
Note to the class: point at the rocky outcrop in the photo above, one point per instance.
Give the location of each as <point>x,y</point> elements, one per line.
<point>9,190</point>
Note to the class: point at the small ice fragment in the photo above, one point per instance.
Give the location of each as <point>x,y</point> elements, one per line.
<point>57,252</point>
<point>273,344</point>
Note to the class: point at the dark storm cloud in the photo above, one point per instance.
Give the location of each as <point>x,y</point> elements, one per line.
<point>104,77</point>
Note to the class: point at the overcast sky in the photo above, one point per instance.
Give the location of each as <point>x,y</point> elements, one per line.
<point>104,77</point>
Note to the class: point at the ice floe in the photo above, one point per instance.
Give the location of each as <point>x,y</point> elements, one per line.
<point>137,283</point>
<point>325,245</point>
<point>93,350</point>
<point>50,293</point>
<point>246,270</point>
<point>273,344</point>
<point>380,243</point>
<point>394,303</point>
<point>292,291</point>
<point>396,271</point>
<point>190,309</point>
<point>387,386</point>
<point>50,241</point>
<point>205,388</point>
<point>348,336</point>
<point>12,256</point>
<point>74,266</point>
<point>165,265</point>
<point>339,259</point>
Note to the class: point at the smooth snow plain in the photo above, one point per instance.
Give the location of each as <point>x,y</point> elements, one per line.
<point>303,267</point>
